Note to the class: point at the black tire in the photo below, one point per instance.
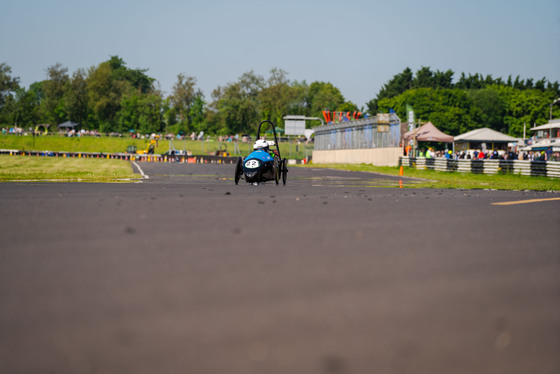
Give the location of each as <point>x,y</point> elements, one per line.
<point>284,171</point>
<point>238,170</point>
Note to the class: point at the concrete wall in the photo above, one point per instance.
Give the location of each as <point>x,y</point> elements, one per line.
<point>374,156</point>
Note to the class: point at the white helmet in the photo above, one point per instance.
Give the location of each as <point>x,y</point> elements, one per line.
<point>261,144</point>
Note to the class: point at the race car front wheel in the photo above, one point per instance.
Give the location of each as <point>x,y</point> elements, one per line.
<point>238,170</point>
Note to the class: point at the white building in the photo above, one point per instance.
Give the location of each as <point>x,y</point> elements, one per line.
<point>545,137</point>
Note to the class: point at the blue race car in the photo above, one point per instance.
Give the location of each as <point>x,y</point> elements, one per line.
<point>263,164</point>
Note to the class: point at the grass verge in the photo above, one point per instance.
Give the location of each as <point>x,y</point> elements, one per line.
<point>107,144</point>
<point>58,169</point>
<point>438,179</point>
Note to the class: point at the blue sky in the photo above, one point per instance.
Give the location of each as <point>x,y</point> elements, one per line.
<point>357,45</point>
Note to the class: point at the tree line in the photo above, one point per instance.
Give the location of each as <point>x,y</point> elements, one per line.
<point>111,97</point>
<point>474,101</point>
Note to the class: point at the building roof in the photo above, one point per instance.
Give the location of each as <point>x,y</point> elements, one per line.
<point>554,124</point>
<point>485,135</point>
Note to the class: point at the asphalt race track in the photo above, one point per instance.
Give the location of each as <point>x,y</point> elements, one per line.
<point>336,272</point>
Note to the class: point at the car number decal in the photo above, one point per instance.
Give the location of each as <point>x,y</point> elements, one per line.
<point>252,164</point>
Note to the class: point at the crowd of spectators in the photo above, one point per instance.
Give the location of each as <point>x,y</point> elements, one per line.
<point>479,154</point>
<point>133,134</point>
<point>13,131</point>
<point>61,132</point>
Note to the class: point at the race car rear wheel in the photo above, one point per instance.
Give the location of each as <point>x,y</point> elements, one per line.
<point>238,170</point>
<point>284,167</point>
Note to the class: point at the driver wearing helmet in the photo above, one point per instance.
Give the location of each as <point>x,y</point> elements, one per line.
<point>261,145</point>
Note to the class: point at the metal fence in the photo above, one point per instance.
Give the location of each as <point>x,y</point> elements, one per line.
<point>522,167</point>
<point>370,132</point>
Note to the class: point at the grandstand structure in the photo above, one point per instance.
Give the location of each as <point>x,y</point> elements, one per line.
<point>372,140</point>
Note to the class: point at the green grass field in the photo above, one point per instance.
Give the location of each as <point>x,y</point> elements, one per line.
<point>106,144</point>
<point>58,169</point>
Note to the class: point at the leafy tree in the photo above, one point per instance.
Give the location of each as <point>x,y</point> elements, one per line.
<point>424,78</point>
<point>276,96</point>
<point>518,84</point>
<point>76,99</point>
<point>443,79</point>
<point>136,77</point>
<point>324,96</point>
<point>197,113</point>
<point>541,84</point>
<point>8,84</point>
<point>488,108</point>
<point>397,85</point>
<point>24,109</point>
<point>448,109</point>
<point>240,106</point>
<point>111,97</point>
<point>298,104</point>
<point>474,101</point>
<point>53,106</point>
<point>553,88</point>
<point>348,106</point>
<point>182,99</point>
<point>128,114</point>
<point>470,82</point>
<point>526,107</point>
<point>235,107</point>
<point>104,96</point>
<point>121,99</point>
<point>150,117</point>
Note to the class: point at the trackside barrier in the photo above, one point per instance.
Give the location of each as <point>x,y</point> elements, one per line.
<point>200,159</point>
<point>522,167</point>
